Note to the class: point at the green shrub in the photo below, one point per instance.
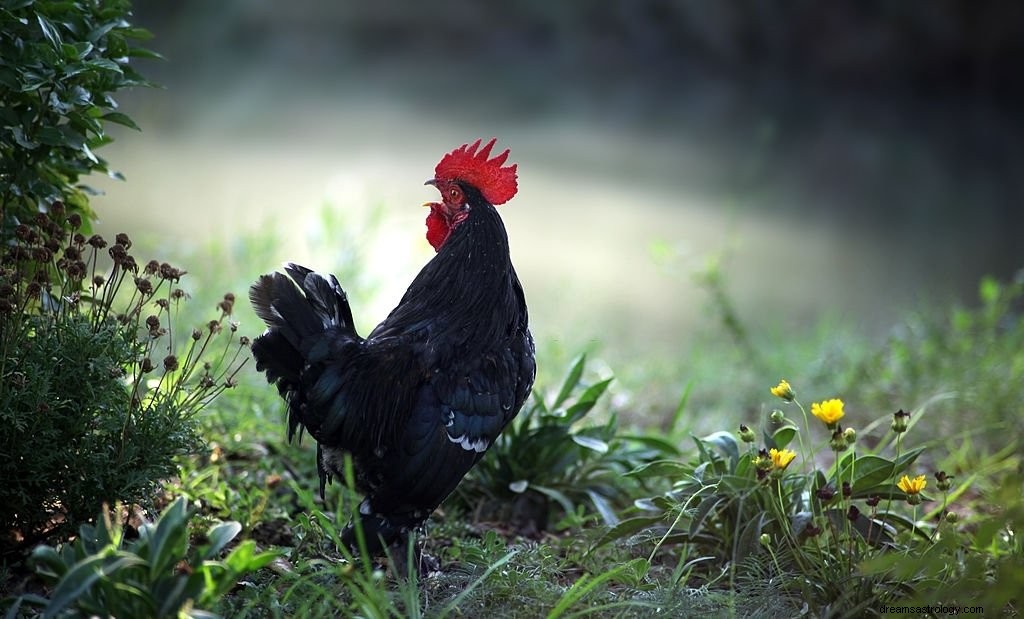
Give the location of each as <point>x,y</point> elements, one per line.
<point>803,517</point>
<point>98,393</point>
<point>545,460</point>
<point>103,573</point>
<point>60,64</point>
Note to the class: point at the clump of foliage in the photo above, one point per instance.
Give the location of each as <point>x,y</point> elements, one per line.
<point>105,573</point>
<point>809,519</point>
<point>545,460</point>
<point>99,393</point>
<point>62,64</point>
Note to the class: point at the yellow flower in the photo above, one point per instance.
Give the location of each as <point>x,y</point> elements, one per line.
<point>912,486</point>
<point>784,391</point>
<point>781,459</point>
<point>829,411</point>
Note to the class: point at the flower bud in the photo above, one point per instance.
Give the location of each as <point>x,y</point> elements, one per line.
<point>777,416</point>
<point>746,434</point>
<point>952,517</point>
<point>900,421</point>
<point>850,435</point>
<point>765,540</point>
<point>838,441</point>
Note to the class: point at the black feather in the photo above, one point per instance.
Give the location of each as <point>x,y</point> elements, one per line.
<point>420,399</point>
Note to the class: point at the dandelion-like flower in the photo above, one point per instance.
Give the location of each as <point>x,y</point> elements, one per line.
<point>829,411</point>
<point>781,458</point>
<point>912,487</point>
<point>784,391</point>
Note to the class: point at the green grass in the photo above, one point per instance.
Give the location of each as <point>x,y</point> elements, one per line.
<point>634,514</point>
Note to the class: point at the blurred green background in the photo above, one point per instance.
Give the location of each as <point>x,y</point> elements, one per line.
<point>837,161</point>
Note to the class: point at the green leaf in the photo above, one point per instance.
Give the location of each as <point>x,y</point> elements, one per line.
<point>626,528</point>
<point>121,119</point>
<point>220,536</point>
<point>587,400</point>
<point>50,32</point>
<point>594,444</point>
<point>661,469</point>
<point>571,380</point>
<point>82,577</point>
<point>704,510</point>
<point>726,443</point>
<point>782,437</point>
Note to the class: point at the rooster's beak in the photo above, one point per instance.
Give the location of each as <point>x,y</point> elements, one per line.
<point>432,181</point>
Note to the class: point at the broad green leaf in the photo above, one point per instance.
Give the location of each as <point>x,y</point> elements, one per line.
<point>220,536</point>
<point>626,528</point>
<point>782,437</point>
<point>121,119</point>
<point>702,512</point>
<point>726,443</point>
<point>591,443</point>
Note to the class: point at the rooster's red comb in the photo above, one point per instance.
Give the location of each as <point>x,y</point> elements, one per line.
<point>496,183</point>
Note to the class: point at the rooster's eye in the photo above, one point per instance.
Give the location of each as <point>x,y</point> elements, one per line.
<point>454,193</point>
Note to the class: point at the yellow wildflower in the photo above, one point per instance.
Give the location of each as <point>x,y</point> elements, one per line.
<point>912,486</point>
<point>784,391</point>
<point>829,411</point>
<point>781,459</point>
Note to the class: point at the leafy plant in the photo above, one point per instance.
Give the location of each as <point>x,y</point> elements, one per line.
<point>809,527</point>
<point>60,65</point>
<point>103,573</point>
<point>99,392</point>
<point>543,458</point>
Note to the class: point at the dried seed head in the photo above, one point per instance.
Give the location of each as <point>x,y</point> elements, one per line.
<point>97,241</point>
<point>98,281</point>
<point>152,322</point>
<point>130,264</point>
<point>196,334</point>
<point>6,307</point>
<point>6,290</point>
<point>144,285</point>
<point>178,294</point>
<point>152,267</point>
<point>227,303</point>
<point>75,220</point>
<point>214,326</point>
<point>79,239</point>
<point>170,363</point>
<point>123,240</point>
<point>72,253</point>
<point>75,270</point>
<point>206,382</point>
<point>42,255</point>
<point>118,253</point>
<point>162,303</point>
<point>244,341</point>
<point>22,232</point>
<point>147,365</point>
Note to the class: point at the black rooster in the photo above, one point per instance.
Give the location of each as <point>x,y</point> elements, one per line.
<point>421,398</point>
